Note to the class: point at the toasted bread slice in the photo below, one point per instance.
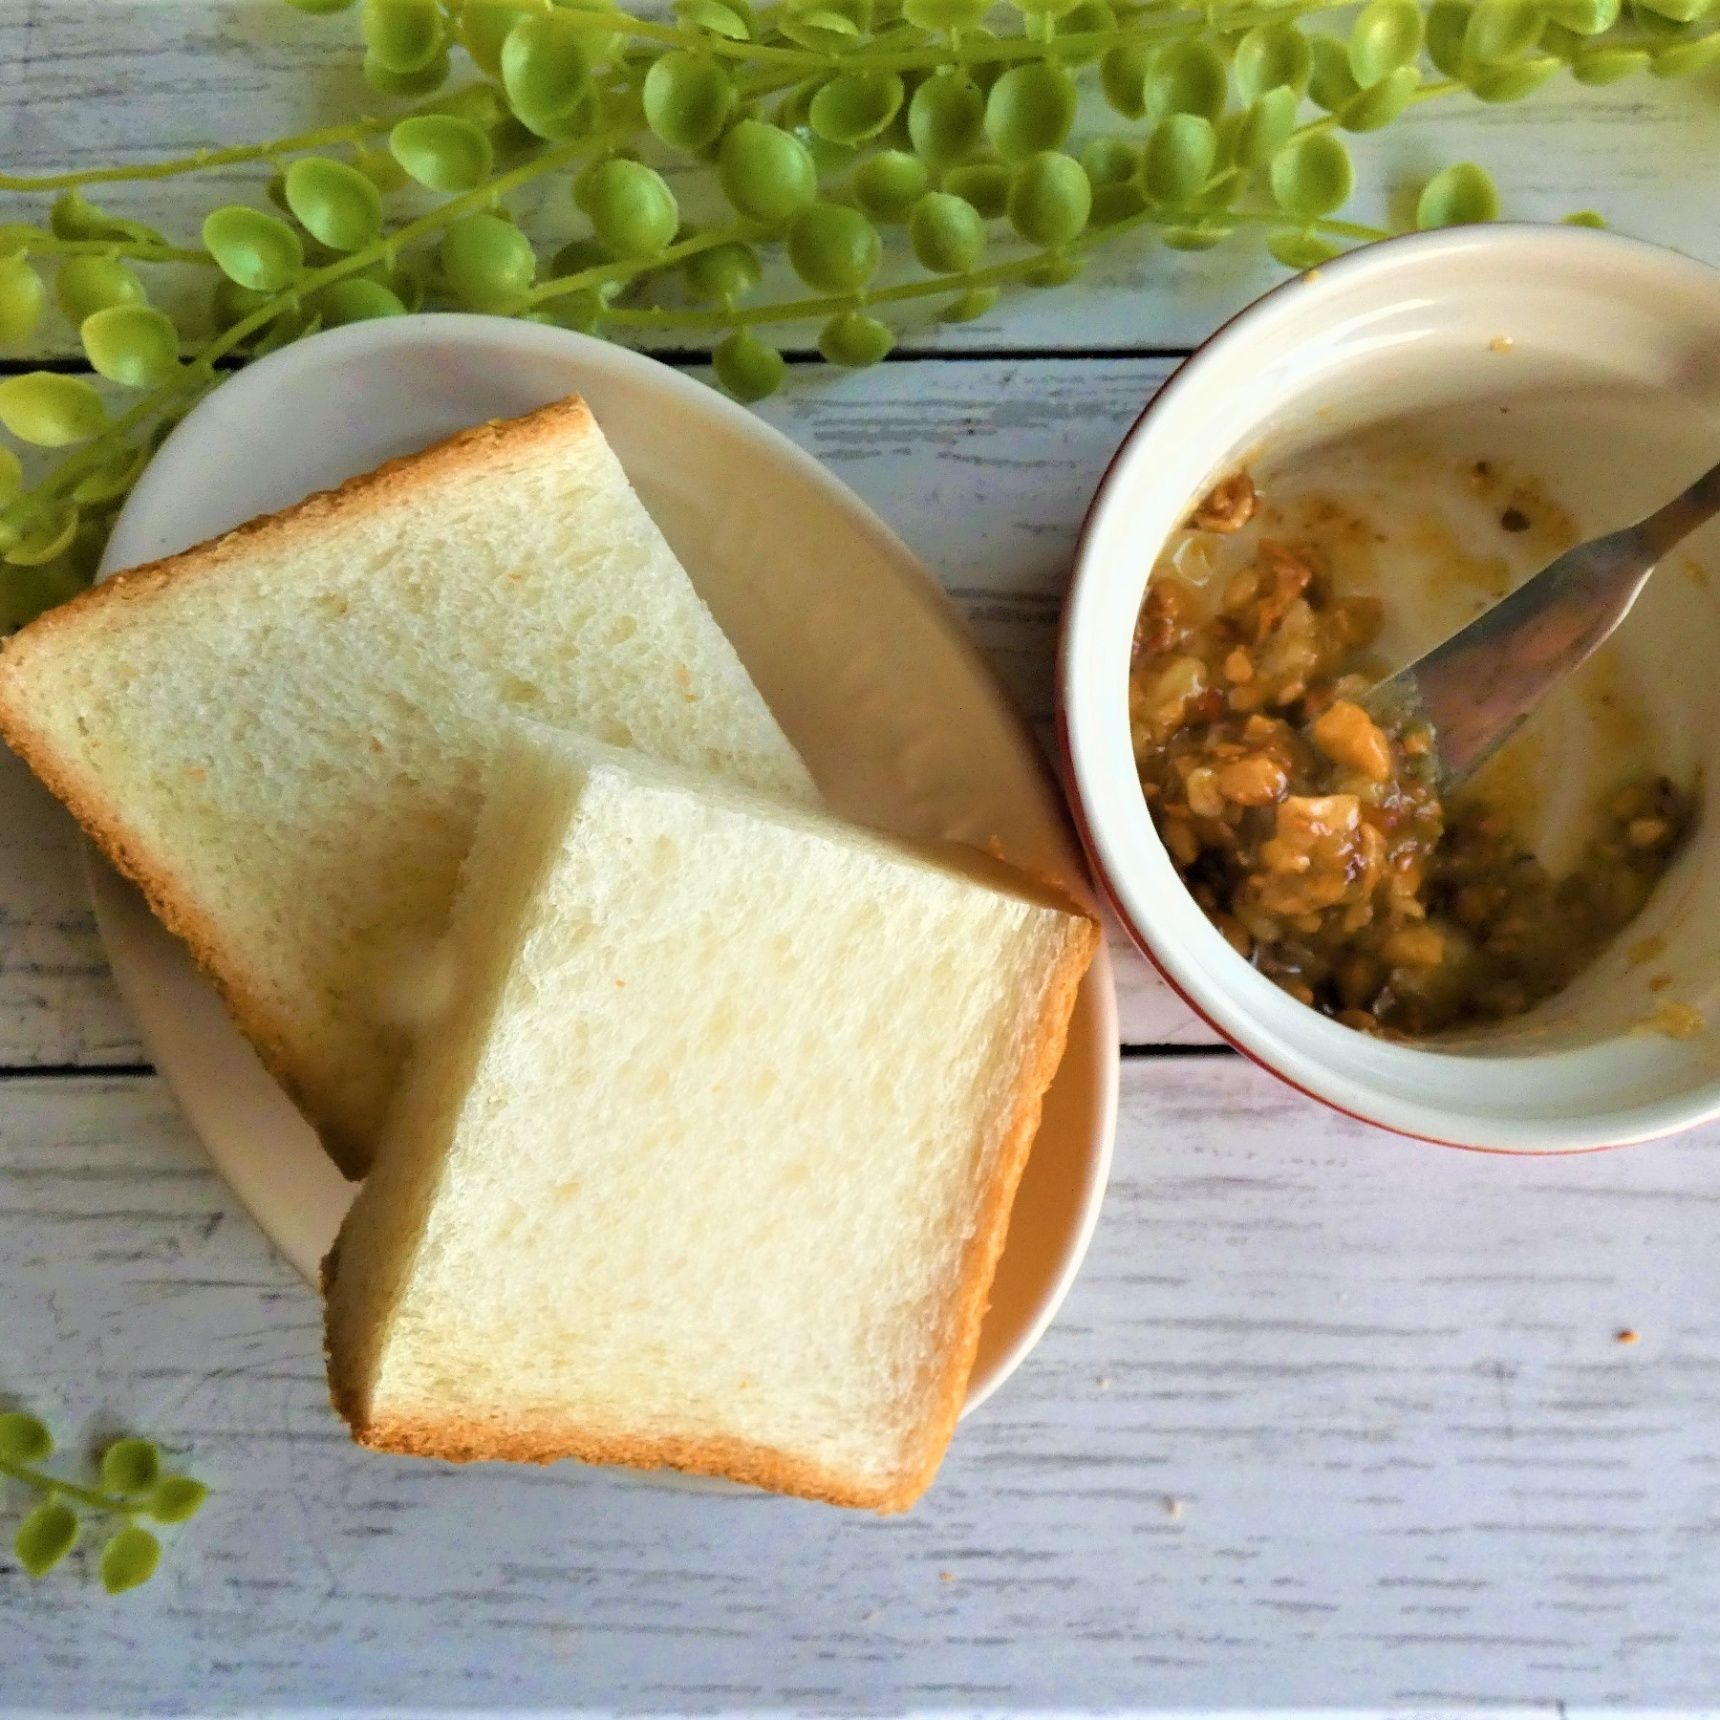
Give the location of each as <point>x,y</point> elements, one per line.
<point>711,1160</point>
<point>280,734</point>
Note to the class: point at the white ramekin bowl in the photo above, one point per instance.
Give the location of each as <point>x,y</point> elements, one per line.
<point>1596,361</point>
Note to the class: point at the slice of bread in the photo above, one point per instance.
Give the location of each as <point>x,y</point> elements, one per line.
<point>280,734</point>
<point>710,1163</point>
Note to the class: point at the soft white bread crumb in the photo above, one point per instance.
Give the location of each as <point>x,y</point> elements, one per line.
<point>281,734</point>
<point>710,1162</point>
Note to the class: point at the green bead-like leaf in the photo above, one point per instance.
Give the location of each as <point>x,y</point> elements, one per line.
<point>1180,157</point>
<point>1510,83</point>
<point>483,25</point>
<point>766,173</point>
<point>1387,34</point>
<point>633,212</point>
<point>334,203</point>
<point>1189,77</point>
<point>1312,177</point>
<point>177,1499</point>
<point>833,249</point>
<point>230,303</point>
<point>1584,218</point>
<point>601,43</point>
<point>1462,194</point>
<point>1685,59</point>
<point>946,119</point>
<point>131,344</point>
<point>1114,203</point>
<point>1677,11</point>
<point>113,477</point>
<point>721,275</point>
<point>1447,29</point>
<point>1271,55</point>
<point>1332,83</point>
<point>129,1560</point>
<point>1264,127</point>
<point>1195,238</point>
<point>1583,17</point>
<point>546,67</point>
<point>441,152</point>
<point>1501,30</point>
<point>1085,18</point>
<point>131,1466</point>
<point>74,217</point>
<point>947,233</point>
<point>970,306</point>
<point>488,262</point>
<point>1109,160</point>
<point>887,185</point>
<point>22,297</point>
<point>748,367</point>
<point>687,100</point>
<point>380,168</point>
<point>402,35</point>
<point>1053,272</point>
<point>856,105</point>
<point>46,1536</point>
<point>854,340</point>
<point>945,14</point>
<point>23,1439</point>
<point>1049,199</point>
<point>48,410</point>
<point>714,18</point>
<point>1605,65</point>
<point>1380,103</point>
<point>357,300</point>
<point>984,184</point>
<point>258,251</point>
<point>422,82</point>
<point>1030,109</point>
<point>85,285</point>
<point>1123,77</point>
<point>48,538</point>
<point>824,31</point>
<point>1298,250</point>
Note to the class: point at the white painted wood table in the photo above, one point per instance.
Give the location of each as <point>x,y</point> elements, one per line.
<point>1330,1419</point>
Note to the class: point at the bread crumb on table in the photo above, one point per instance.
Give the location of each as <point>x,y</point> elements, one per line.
<point>1173,1508</point>
<point>1627,1335</point>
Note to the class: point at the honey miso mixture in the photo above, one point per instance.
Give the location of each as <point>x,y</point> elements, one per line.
<point>1313,836</point>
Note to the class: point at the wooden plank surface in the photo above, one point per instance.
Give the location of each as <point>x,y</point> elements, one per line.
<point>1329,1420</point>
<point>82,84</point>
<point>984,466</point>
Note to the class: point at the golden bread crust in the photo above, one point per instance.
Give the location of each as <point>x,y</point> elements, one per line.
<point>991,1226</point>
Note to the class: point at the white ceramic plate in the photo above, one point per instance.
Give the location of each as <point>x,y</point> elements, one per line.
<point>865,662</point>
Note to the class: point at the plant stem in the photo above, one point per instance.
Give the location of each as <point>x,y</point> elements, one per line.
<point>199,371</point>
<point>133,250</point>
<point>998,274</point>
<point>974,51</point>
<point>350,132</point>
<point>631,268</point>
<point>45,1483</point>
